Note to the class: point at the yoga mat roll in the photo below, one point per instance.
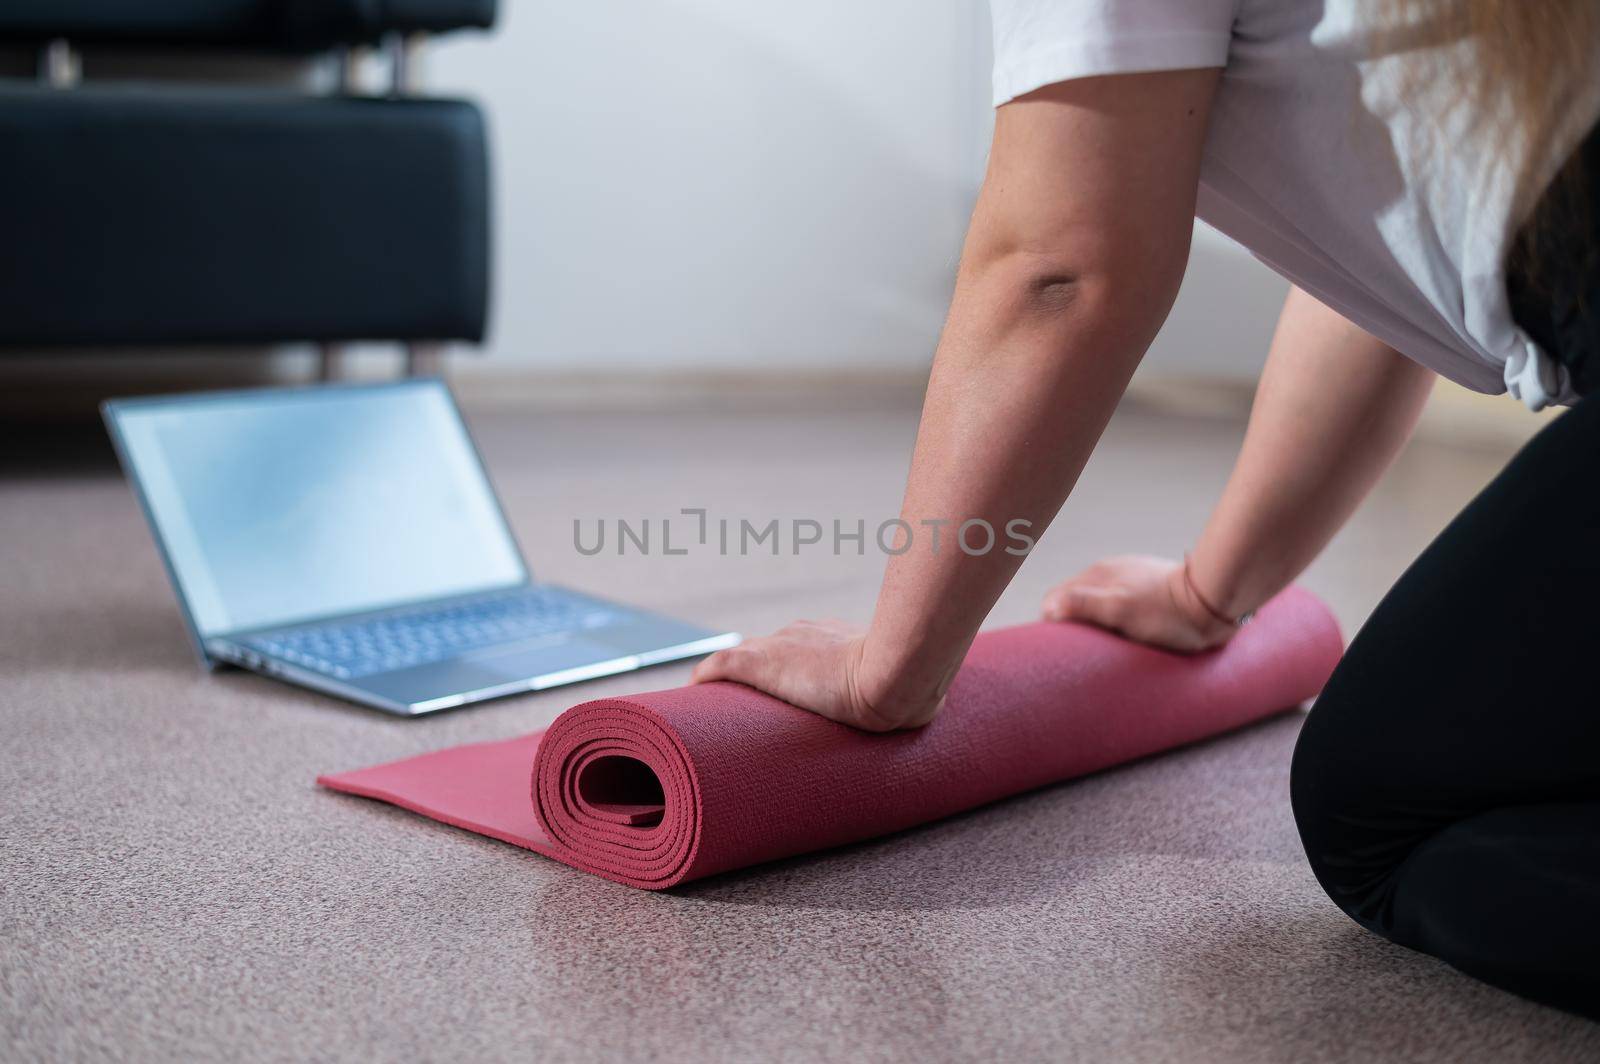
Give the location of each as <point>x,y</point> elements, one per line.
<point>662,788</point>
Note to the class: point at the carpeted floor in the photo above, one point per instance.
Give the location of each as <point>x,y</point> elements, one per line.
<point>174,887</point>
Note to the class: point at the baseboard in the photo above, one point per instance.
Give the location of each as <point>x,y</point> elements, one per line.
<point>688,389</point>
<point>70,385</point>
<point>48,387</point>
<point>1453,417</point>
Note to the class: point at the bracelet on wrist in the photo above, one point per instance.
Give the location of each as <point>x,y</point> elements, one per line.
<point>1205,603</point>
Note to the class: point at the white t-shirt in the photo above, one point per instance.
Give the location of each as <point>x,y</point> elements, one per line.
<point>1313,163</point>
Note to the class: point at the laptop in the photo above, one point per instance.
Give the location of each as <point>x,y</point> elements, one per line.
<point>346,538</point>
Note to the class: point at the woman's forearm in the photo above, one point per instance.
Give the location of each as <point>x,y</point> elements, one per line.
<point>1015,404</point>
<point>1334,407</point>
<point>1074,256</point>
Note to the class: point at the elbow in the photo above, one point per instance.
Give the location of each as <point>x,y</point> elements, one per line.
<point>1093,278</point>
<point>1053,288</point>
<point>1022,284</point>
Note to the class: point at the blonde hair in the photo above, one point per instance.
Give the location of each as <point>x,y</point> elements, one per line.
<point>1531,62</point>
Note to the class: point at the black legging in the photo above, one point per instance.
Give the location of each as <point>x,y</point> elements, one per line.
<point>1447,782</point>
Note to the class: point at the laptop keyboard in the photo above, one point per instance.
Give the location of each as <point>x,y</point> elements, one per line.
<point>401,639</point>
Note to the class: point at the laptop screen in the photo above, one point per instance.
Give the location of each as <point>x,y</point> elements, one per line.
<point>281,506</point>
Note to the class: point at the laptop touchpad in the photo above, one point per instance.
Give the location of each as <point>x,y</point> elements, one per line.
<point>536,659</point>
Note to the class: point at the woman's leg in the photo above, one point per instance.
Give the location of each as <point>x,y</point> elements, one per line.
<point>1447,783</point>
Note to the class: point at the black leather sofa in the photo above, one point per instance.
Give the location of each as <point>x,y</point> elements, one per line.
<point>288,25</point>
<point>166,214</point>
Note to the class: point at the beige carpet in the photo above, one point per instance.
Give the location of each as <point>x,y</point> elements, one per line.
<point>175,888</point>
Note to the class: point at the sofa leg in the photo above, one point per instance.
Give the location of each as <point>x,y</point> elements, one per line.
<point>348,63</point>
<point>405,52</point>
<point>424,359</point>
<point>330,358</point>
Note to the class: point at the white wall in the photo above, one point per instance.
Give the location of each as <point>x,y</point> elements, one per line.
<point>717,184</point>
<point>1223,319</point>
<point>709,183</point>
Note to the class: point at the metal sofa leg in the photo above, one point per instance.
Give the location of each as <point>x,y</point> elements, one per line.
<point>405,53</point>
<point>330,361</point>
<point>424,358</point>
<point>347,70</point>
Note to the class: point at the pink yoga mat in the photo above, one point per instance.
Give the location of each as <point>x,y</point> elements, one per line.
<point>670,786</point>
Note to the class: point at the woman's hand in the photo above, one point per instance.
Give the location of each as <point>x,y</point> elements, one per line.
<point>818,665</point>
<point>1143,598</point>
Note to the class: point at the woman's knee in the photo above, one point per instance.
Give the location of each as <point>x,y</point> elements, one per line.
<point>1347,802</point>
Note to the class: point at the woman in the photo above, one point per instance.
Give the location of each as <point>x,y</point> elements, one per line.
<point>1384,158</point>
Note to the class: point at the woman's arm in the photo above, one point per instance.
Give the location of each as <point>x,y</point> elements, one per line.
<point>1074,255</point>
<point>1334,407</point>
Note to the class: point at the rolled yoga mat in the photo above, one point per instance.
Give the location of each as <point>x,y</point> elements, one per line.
<point>662,788</point>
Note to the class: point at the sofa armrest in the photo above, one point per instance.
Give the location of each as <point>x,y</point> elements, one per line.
<point>275,25</point>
